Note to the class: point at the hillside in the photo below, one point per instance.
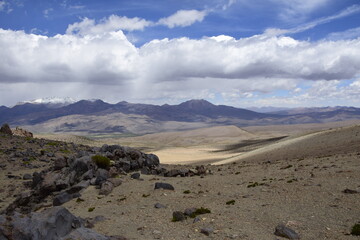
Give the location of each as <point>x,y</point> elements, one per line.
<point>309,183</point>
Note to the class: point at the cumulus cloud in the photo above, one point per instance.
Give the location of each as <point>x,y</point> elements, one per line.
<point>109,66</point>
<point>113,23</point>
<point>183,18</point>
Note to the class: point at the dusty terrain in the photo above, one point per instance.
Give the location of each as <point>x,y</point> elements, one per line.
<point>298,180</point>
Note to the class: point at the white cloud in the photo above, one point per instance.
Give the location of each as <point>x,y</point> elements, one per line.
<point>47,11</point>
<point>2,5</point>
<point>108,66</point>
<point>298,10</point>
<point>309,25</point>
<point>183,18</point>
<point>348,34</point>
<point>113,23</point>
<point>5,7</point>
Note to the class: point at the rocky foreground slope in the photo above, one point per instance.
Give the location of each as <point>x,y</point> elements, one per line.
<point>314,197</point>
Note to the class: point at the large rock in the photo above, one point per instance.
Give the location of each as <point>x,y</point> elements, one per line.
<point>22,132</point>
<point>52,224</point>
<point>5,129</point>
<point>64,197</point>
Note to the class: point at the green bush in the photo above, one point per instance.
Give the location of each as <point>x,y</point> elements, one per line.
<point>231,202</point>
<point>101,161</point>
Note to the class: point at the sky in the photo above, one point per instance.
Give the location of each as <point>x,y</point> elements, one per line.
<point>244,53</point>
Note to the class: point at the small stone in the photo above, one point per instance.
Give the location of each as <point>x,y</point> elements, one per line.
<point>196,219</point>
<point>350,191</point>
<point>135,175</point>
<point>282,231</point>
<point>157,234</point>
<point>166,186</point>
<point>27,177</point>
<point>178,216</point>
<point>159,205</point>
<point>207,231</point>
<point>189,211</point>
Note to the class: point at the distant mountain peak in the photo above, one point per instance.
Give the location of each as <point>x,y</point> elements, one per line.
<point>50,100</point>
<point>197,103</point>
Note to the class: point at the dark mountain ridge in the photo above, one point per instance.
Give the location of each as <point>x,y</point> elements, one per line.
<point>190,111</point>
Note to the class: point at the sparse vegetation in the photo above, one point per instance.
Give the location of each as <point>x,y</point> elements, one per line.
<point>65,151</point>
<point>91,209</point>
<point>145,195</point>
<point>52,144</point>
<point>231,202</point>
<point>187,192</point>
<point>355,230</point>
<point>101,161</point>
<point>288,166</point>
<point>200,211</point>
<point>255,184</point>
<point>79,200</point>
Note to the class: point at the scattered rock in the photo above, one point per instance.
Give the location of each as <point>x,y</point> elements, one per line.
<point>27,176</point>
<point>189,211</point>
<point>159,205</point>
<point>282,231</point>
<point>115,181</point>
<point>135,175</point>
<point>207,231</point>
<point>196,219</point>
<point>350,191</point>
<point>166,186</point>
<point>106,188</point>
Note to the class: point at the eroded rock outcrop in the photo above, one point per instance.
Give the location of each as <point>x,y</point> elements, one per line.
<point>51,224</point>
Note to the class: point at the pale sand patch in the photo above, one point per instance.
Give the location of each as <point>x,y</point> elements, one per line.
<point>187,155</point>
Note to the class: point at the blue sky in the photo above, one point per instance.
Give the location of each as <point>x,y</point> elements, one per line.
<point>243,53</point>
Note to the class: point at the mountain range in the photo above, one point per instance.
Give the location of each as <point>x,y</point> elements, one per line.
<point>98,117</point>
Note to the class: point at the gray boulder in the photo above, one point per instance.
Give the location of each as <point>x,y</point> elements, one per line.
<point>106,188</point>
<point>52,224</point>
<point>282,231</point>
<point>166,186</point>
